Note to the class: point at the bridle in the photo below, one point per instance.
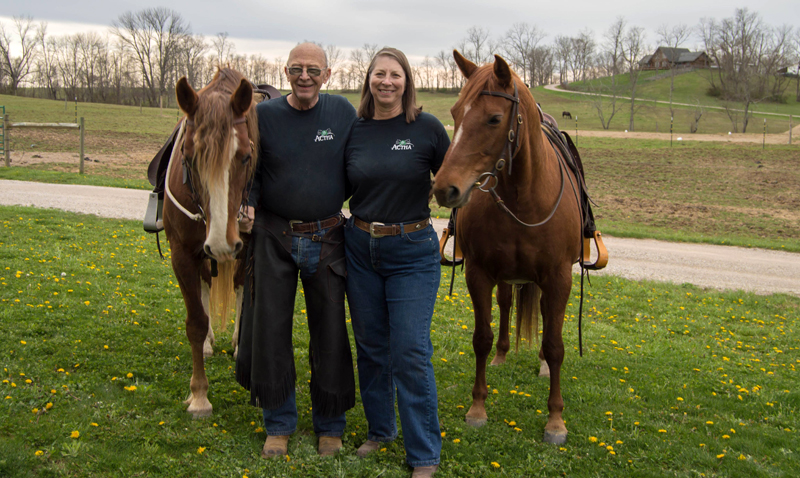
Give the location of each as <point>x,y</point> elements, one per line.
<point>510,150</point>
<point>188,170</point>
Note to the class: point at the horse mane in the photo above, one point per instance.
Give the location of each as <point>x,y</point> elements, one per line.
<point>214,117</point>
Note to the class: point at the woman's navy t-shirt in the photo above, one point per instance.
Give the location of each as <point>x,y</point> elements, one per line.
<point>389,165</point>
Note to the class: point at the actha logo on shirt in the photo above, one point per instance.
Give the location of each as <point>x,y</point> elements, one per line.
<point>324,135</point>
<point>402,144</point>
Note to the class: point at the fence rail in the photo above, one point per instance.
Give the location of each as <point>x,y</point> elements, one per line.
<point>8,126</point>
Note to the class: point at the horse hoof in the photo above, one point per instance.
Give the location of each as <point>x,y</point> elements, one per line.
<point>208,351</point>
<point>555,437</point>
<point>475,422</point>
<point>497,360</point>
<point>201,413</point>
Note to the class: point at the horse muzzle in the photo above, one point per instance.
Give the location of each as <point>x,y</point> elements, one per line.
<point>223,252</point>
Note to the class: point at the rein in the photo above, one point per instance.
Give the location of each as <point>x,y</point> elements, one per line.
<point>510,150</point>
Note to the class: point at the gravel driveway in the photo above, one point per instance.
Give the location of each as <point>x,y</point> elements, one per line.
<point>719,267</point>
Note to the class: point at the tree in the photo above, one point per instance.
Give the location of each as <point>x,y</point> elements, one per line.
<point>334,55</point>
<point>562,49</point>
<point>542,64</point>
<point>46,67</point>
<point>519,45</point>
<point>19,67</point>
<point>673,37</point>
<point>477,43</point>
<point>633,49</point>
<point>223,48</point>
<point>748,54</point>
<point>192,49</point>
<point>154,36</point>
<point>361,58</point>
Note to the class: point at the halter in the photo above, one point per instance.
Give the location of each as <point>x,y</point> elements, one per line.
<point>510,150</point>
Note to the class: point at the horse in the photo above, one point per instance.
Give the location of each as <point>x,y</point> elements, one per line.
<point>566,114</point>
<point>211,164</point>
<point>494,118</point>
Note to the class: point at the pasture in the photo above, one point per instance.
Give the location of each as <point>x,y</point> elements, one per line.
<point>674,381</point>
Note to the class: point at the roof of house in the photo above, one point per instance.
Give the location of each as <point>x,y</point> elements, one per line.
<point>646,60</point>
<point>673,54</point>
<point>689,56</point>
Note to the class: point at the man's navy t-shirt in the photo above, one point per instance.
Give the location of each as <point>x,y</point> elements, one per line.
<point>301,172</point>
<point>389,165</point>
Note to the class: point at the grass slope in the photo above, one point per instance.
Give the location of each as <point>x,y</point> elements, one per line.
<point>675,380</point>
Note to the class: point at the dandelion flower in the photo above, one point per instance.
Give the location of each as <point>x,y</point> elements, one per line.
<point>39,453</point>
<point>456,441</point>
<point>593,439</point>
<point>495,464</point>
<point>443,434</point>
<point>201,449</point>
<point>75,434</point>
<point>129,375</point>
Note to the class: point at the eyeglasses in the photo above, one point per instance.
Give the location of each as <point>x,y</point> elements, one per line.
<point>297,71</point>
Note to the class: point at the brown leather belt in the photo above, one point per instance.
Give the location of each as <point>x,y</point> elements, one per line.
<point>314,226</point>
<point>379,229</point>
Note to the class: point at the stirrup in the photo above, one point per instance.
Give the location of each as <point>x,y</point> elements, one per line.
<point>602,252</point>
<point>458,256</point>
<point>152,217</point>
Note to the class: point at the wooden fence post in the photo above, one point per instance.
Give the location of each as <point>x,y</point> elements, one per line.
<point>81,128</point>
<point>6,153</point>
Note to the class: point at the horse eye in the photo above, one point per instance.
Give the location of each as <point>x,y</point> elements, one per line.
<point>246,158</point>
<point>495,119</point>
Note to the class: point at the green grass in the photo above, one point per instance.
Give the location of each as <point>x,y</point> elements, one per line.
<point>679,381</point>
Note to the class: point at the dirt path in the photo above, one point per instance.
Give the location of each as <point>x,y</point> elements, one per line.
<point>719,267</point>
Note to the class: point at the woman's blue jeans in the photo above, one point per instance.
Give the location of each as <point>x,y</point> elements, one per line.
<point>391,289</point>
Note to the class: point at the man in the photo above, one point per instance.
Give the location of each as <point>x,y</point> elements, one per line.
<point>297,195</point>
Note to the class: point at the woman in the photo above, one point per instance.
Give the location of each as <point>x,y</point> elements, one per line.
<point>392,255</point>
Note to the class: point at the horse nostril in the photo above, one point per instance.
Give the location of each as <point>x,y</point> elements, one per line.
<point>237,247</point>
<point>207,249</point>
<point>453,193</point>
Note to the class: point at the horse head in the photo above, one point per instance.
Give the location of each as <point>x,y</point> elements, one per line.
<point>220,153</point>
<point>485,126</point>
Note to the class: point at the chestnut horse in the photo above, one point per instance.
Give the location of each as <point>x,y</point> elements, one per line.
<point>531,184</point>
<point>213,159</point>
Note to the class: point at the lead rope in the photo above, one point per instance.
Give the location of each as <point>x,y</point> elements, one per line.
<point>452,227</point>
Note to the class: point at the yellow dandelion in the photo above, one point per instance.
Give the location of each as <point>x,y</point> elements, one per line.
<point>662,431</point>
<point>725,437</point>
<point>75,434</point>
<point>443,434</point>
<point>495,464</point>
<point>593,439</point>
<point>512,423</point>
<point>49,405</point>
<point>129,375</point>
<point>456,441</point>
<point>94,424</point>
<point>201,449</point>
<point>742,457</point>
<point>709,422</point>
<point>721,455</point>
<point>35,411</point>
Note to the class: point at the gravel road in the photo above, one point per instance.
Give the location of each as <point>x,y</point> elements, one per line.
<point>720,267</point>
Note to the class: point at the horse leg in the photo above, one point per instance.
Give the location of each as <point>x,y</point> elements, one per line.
<point>544,369</point>
<point>480,289</point>
<point>187,271</point>
<point>208,342</point>
<point>503,295</point>
<point>554,304</point>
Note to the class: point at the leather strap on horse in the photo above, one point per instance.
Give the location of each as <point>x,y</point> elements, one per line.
<point>458,256</point>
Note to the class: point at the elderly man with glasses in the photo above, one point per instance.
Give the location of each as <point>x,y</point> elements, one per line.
<point>296,221</point>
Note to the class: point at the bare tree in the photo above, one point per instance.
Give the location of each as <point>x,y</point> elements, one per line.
<point>747,53</point>
<point>334,55</point>
<point>223,48</point>
<point>673,37</point>
<point>154,36</point>
<point>361,57</point>
<point>192,49</point>
<point>17,68</point>
<point>518,45</point>
<point>562,49</point>
<point>632,52</point>
<point>542,64</point>
<point>46,67</point>
<point>477,43</point>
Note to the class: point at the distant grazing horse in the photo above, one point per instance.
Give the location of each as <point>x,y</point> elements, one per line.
<point>213,159</point>
<point>566,114</point>
<point>496,119</point>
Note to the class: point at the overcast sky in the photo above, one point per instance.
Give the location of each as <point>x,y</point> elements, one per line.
<point>418,27</point>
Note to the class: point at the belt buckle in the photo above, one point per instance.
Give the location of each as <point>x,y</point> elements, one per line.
<point>372,232</point>
<point>292,222</point>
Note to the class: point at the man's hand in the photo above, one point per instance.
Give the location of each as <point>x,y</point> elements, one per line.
<point>246,222</point>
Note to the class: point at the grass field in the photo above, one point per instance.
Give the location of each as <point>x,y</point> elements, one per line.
<point>675,380</point>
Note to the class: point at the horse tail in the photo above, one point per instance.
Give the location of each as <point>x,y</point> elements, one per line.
<point>222,297</point>
<point>527,297</point>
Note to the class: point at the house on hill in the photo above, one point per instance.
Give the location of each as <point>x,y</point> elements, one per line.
<point>665,58</point>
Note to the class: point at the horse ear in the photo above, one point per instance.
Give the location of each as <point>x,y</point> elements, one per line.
<point>242,98</point>
<point>467,67</point>
<point>502,71</point>
<point>187,98</point>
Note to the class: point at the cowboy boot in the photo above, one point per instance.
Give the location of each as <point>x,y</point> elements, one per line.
<point>368,447</point>
<point>424,471</point>
<point>275,446</point>
<point>329,446</point>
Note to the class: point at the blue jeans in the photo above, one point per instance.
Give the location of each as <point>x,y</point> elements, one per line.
<point>283,420</point>
<point>391,289</point>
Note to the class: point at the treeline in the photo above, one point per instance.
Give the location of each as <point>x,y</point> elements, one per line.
<point>147,51</point>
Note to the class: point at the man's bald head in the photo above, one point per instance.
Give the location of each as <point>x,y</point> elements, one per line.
<point>309,48</point>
